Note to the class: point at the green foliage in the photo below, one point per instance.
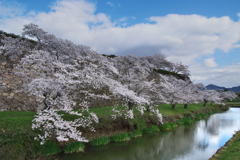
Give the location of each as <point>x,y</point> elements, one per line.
<point>202,115</point>
<point>120,137</point>
<point>100,141</point>
<point>237,99</point>
<point>12,35</point>
<point>67,116</point>
<point>18,144</point>
<point>198,117</point>
<point>9,34</point>
<point>168,126</point>
<point>165,72</point>
<point>17,137</point>
<point>180,122</point>
<point>109,56</point>
<point>166,110</point>
<point>185,120</point>
<point>151,129</point>
<point>50,148</point>
<point>140,123</point>
<point>74,147</point>
<point>136,133</point>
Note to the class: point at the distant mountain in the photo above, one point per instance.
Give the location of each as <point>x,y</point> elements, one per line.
<point>214,87</point>
<point>235,89</point>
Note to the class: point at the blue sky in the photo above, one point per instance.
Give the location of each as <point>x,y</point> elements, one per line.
<point>204,34</point>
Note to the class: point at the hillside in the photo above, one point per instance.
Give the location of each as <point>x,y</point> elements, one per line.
<point>215,87</point>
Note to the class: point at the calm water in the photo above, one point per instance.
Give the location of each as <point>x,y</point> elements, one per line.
<point>199,141</point>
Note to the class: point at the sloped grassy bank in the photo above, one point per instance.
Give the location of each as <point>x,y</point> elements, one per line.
<point>17,138</point>
<point>230,151</point>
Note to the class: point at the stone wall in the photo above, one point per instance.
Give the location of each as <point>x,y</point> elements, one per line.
<point>10,85</point>
<point>13,99</point>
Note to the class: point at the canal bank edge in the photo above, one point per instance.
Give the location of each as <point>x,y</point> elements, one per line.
<point>175,117</point>
<point>104,131</point>
<point>230,149</point>
<point>119,130</point>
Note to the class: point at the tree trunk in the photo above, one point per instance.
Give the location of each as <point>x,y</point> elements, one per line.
<point>148,108</point>
<point>130,105</point>
<point>57,55</point>
<point>185,105</point>
<point>174,106</point>
<point>205,102</point>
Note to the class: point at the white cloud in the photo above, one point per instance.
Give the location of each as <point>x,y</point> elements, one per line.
<point>238,14</point>
<point>227,76</point>
<point>10,8</point>
<point>180,37</point>
<point>124,21</point>
<point>175,35</point>
<point>209,62</point>
<point>110,4</point>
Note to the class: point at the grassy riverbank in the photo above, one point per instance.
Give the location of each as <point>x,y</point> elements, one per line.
<point>230,151</point>
<point>233,104</point>
<point>17,137</point>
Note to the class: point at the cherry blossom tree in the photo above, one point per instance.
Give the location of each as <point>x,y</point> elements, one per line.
<point>157,61</point>
<point>177,91</point>
<point>60,75</point>
<point>191,93</point>
<point>51,83</point>
<point>14,48</point>
<point>135,74</point>
<point>210,96</point>
<point>57,72</point>
<point>227,95</point>
<point>180,68</point>
<point>64,50</point>
<point>173,89</point>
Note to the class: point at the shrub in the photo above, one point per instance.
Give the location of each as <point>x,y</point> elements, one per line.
<point>100,141</point>
<point>120,137</point>
<point>136,133</point>
<point>202,115</point>
<point>151,129</point>
<point>50,148</point>
<point>186,120</point>
<point>198,117</point>
<point>168,126</point>
<point>74,147</point>
<point>140,123</point>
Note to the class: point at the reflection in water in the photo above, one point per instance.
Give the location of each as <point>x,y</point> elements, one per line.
<point>199,141</point>
<point>203,144</point>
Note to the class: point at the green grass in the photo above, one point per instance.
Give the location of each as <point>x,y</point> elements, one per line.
<point>166,110</point>
<point>74,147</point>
<point>100,141</point>
<point>235,103</point>
<point>17,137</point>
<point>19,120</point>
<point>203,115</point>
<point>151,129</point>
<point>15,120</point>
<point>103,111</point>
<point>167,126</point>
<point>136,133</point>
<point>50,148</point>
<point>185,121</point>
<point>120,137</point>
<point>230,151</point>
<point>198,116</point>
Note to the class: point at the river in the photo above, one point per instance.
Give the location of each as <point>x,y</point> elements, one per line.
<point>199,141</point>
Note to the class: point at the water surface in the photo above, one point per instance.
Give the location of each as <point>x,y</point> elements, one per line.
<point>199,141</point>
